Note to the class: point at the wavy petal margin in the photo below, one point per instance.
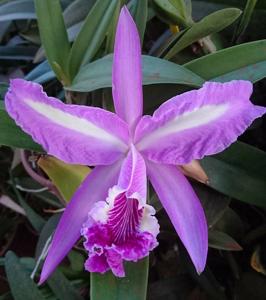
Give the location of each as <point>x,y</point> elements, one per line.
<point>73,133</point>
<point>197,123</point>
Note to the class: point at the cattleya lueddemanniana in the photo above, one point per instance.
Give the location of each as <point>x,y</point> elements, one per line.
<point>109,209</point>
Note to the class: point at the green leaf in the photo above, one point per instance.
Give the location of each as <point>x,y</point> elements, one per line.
<point>233,61</point>
<point>54,36</point>
<point>77,11</point>
<point>62,287</point>
<point>243,24</point>
<point>91,35</point>
<point>239,172</point>
<point>11,135</point>
<point>36,220</point>
<point>66,177</point>
<point>17,10</point>
<point>132,287</point>
<point>155,70</point>
<point>139,11</point>
<point>173,12</point>
<point>21,285</point>
<point>214,22</point>
<point>46,232</point>
<point>214,203</point>
<point>222,241</point>
<point>252,73</point>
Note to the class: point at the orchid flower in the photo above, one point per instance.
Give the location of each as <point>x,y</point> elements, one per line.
<point>109,209</point>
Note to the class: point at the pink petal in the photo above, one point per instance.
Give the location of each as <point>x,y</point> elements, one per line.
<point>94,188</point>
<point>183,208</point>
<point>197,123</point>
<point>97,263</point>
<point>127,74</point>
<point>73,133</point>
<point>132,177</point>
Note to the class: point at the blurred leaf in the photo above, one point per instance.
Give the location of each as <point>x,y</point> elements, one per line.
<point>4,28</point>
<point>6,296</point>
<point>8,202</point>
<point>41,73</point>
<point>76,260</point>
<point>36,220</point>
<point>77,11</point>
<point>139,11</point>
<point>17,53</point>
<point>214,22</point>
<point>11,135</point>
<point>170,288</point>
<point>231,223</point>
<point>17,10</point>
<point>62,287</point>
<point>155,70</point>
<point>168,43</point>
<point>250,286</point>
<point>222,241</point>
<point>235,59</point>
<point>45,233</point>
<point>253,73</point>
<point>66,177</point>
<point>131,287</point>
<point>173,12</point>
<point>244,21</point>
<point>91,35</point>
<point>22,287</point>
<point>110,39</point>
<point>3,90</point>
<point>256,262</point>
<point>54,36</point>
<point>239,172</point>
<point>214,203</point>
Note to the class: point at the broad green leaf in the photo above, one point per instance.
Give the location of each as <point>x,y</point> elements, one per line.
<point>252,73</point>
<point>155,70</point>
<point>235,59</point>
<point>132,287</point>
<point>139,11</point>
<point>21,285</point>
<point>244,21</point>
<point>11,135</point>
<point>213,23</point>
<point>66,177</point>
<point>91,35</point>
<point>222,241</point>
<point>239,172</point>
<point>62,287</point>
<point>173,12</point>
<point>54,36</point>
<point>17,10</point>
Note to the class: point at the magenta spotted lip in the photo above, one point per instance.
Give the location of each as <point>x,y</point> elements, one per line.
<point>126,147</point>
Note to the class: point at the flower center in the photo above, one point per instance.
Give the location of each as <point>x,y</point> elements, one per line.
<point>124,218</point>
